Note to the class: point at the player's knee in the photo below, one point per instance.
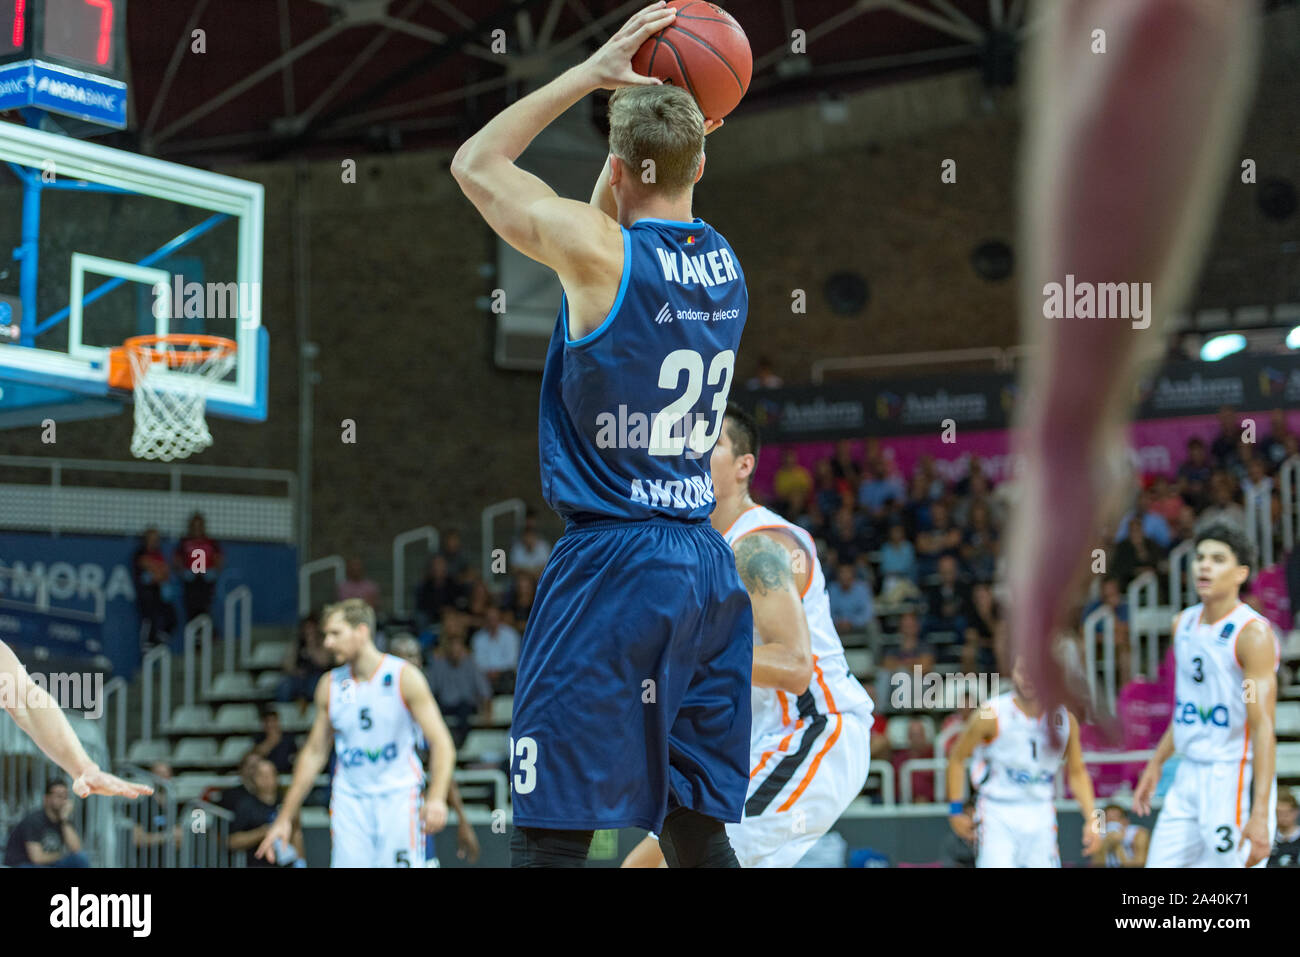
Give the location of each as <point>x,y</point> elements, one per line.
<point>543,847</point>
<point>692,839</point>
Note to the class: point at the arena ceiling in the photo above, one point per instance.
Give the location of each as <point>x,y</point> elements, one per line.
<point>290,78</point>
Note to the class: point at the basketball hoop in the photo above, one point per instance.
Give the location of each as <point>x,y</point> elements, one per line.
<point>171,377</point>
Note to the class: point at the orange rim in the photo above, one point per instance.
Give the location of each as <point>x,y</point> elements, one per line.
<point>121,374</point>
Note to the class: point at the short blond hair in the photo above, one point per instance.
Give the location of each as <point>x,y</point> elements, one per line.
<point>354,611</point>
<point>659,123</point>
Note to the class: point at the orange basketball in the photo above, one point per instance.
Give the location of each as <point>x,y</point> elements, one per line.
<point>703,50</point>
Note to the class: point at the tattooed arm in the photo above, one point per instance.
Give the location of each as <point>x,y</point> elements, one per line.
<point>784,659</point>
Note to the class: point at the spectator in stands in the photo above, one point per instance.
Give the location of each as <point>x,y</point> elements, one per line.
<point>878,490</point>
<point>1153,523</point>
<point>1135,554</point>
<point>916,509</point>
<point>304,664</point>
<point>230,797</point>
<point>1225,446</point>
<point>1274,448</point>
<point>973,468</point>
<point>1124,844</point>
<point>523,591</point>
<point>253,817</point>
<point>496,651</point>
<point>1222,507</point>
<point>199,559</point>
<point>151,576</point>
<point>407,647</point>
<point>979,494</point>
<point>846,536</point>
<point>960,851</point>
<point>453,552</point>
<point>436,592</point>
<point>765,377</point>
<point>1112,596</point>
<point>979,653</point>
<point>477,603</point>
<point>943,537</point>
<point>845,467</point>
<point>792,481</point>
<point>850,600</point>
<point>1194,474</point>
<point>826,487</point>
<point>897,557</point>
<point>948,601</point>
<point>1257,481</point>
<point>919,746</point>
<point>530,551</point>
<point>934,483</point>
<point>275,746</point>
<point>357,585</point>
<point>153,832</point>
<point>902,658</point>
<point>1165,500</point>
<point>980,544</point>
<point>457,684</point>
<point>1286,842</point>
<point>46,838</point>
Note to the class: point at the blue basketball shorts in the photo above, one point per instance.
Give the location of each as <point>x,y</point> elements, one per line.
<point>633,689</point>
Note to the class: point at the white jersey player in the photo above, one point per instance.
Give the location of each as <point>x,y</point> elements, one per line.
<point>1015,813</point>
<point>374,706</point>
<point>1220,810</point>
<point>810,738</point>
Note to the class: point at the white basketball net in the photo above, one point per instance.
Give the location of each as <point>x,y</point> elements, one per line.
<point>171,381</point>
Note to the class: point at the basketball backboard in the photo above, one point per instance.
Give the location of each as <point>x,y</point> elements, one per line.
<point>109,244</point>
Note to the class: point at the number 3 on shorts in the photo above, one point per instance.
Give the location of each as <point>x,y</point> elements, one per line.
<point>526,750</point>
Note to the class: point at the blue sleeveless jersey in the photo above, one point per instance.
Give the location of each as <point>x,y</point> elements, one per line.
<point>630,412</point>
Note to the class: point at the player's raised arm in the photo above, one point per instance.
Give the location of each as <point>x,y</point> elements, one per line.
<point>980,728</point>
<point>40,718</point>
<point>311,760</point>
<point>561,233</point>
<point>442,750</point>
<point>1081,788</point>
<point>784,659</point>
<point>1257,653</point>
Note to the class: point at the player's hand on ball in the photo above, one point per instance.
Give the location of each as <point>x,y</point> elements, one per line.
<point>280,830</point>
<point>434,816</point>
<point>711,125</point>
<point>466,842</point>
<point>1256,831</point>
<point>95,781</point>
<point>611,65</point>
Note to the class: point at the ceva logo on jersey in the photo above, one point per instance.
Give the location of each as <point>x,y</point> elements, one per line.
<point>357,757</point>
<point>1021,776</point>
<point>1187,712</point>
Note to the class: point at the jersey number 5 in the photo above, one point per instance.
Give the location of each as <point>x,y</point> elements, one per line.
<point>702,435</point>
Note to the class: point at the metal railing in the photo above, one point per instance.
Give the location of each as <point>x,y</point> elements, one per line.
<point>425,533</point>
<point>1288,478</point>
<point>1259,521</point>
<point>1105,617</point>
<point>56,507</point>
<point>205,838</point>
<point>150,835</point>
<point>1182,588</point>
<point>490,515</point>
<point>157,666</point>
<point>238,627</point>
<point>306,572</point>
<point>115,694</point>
<point>198,646</point>
<point>1144,621</point>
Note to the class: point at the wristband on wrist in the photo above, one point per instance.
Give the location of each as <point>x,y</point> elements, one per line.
<point>956,807</point>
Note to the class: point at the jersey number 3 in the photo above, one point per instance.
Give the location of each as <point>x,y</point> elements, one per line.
<point>702,435</point>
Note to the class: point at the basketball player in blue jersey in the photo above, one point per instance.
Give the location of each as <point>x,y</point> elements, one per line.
<point>373,705</point>
<point>631,707</point>
<point>1220,810</point>
<point>39,717</point>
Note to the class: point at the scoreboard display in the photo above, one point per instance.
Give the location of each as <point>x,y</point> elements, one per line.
<point>70,55</point>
